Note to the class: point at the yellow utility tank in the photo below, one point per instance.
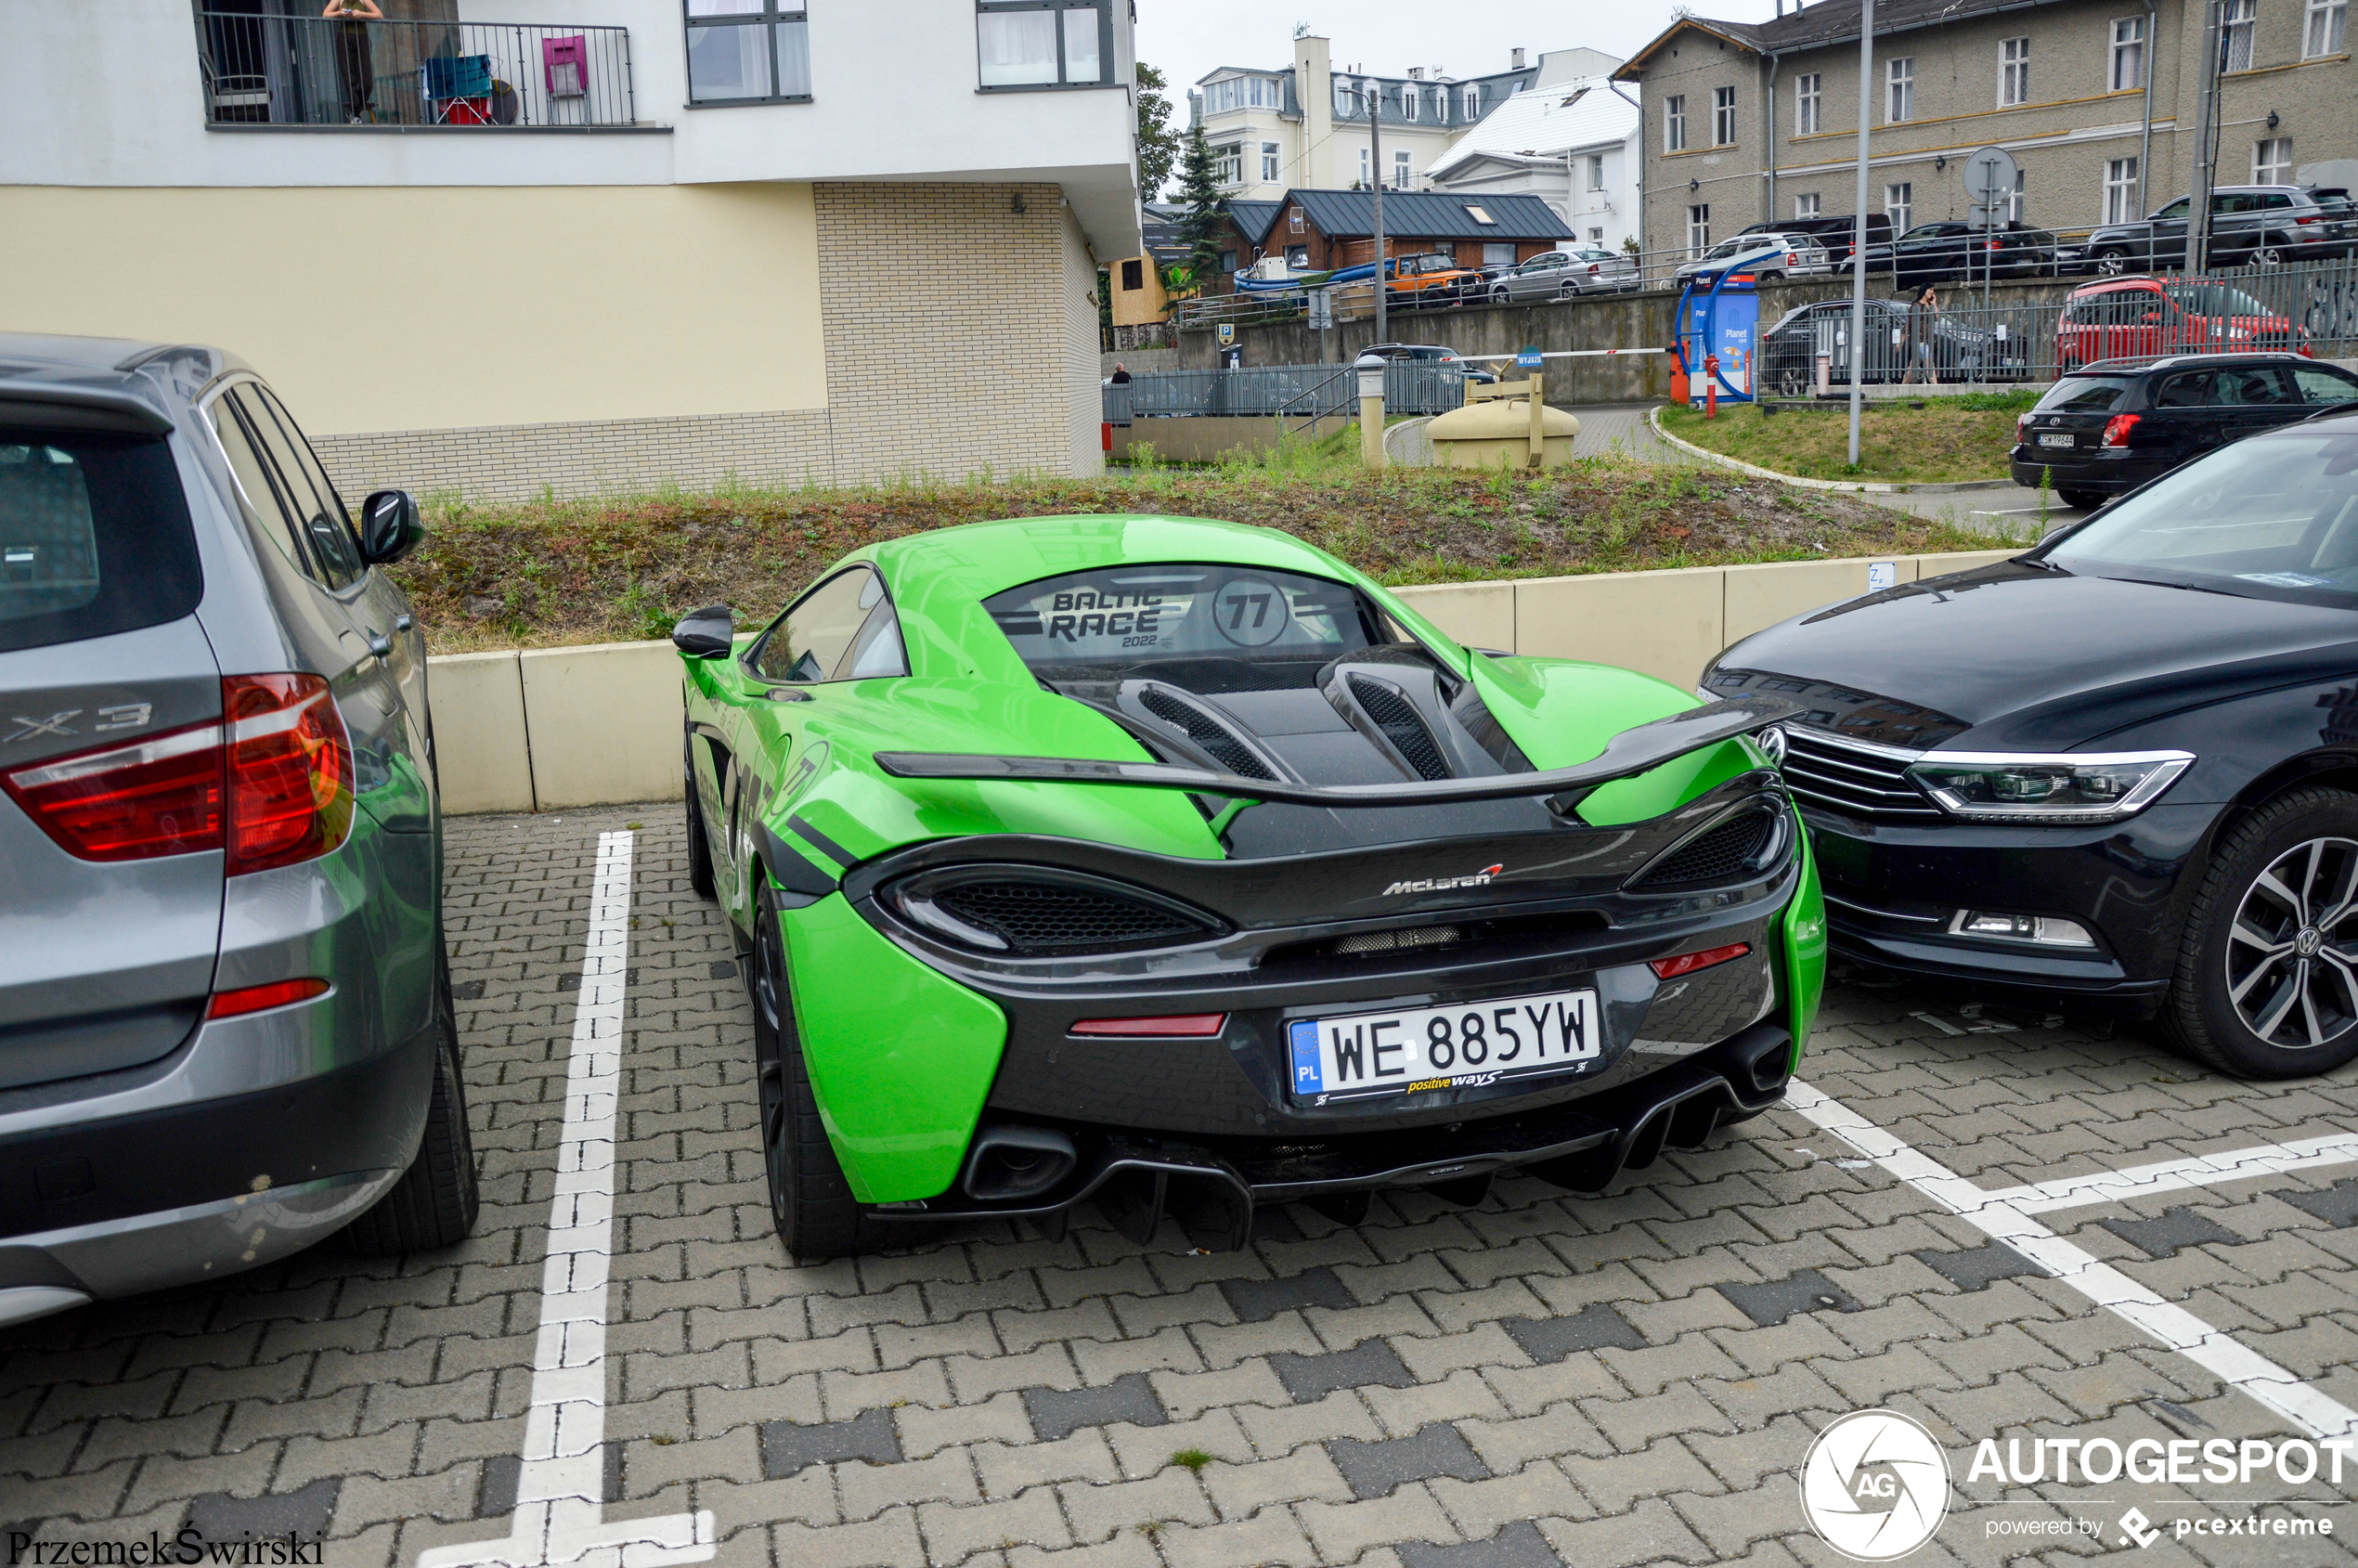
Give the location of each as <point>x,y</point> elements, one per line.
<point>1497,430</point>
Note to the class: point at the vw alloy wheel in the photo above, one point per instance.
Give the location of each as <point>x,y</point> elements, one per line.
<point>2292,973</point>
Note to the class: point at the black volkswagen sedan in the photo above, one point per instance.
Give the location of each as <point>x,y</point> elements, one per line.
<point>2104,431</point>
<point>2122,769</point>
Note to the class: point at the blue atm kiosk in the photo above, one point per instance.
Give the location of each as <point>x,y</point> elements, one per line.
<point>1718,313</point>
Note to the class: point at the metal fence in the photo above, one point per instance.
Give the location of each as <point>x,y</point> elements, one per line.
<point>318,70</point>
<point>1290,391</point>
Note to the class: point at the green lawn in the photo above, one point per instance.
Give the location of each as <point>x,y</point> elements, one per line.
<point>1948,439</point>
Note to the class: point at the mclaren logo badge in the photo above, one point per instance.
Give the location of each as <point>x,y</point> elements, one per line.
<point>1443,884</point>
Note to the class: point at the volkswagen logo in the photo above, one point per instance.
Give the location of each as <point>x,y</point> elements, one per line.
<point>1772,741</point>
<point>1875,1486</point>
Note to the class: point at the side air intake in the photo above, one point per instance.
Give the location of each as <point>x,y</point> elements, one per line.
<point>1396,716</point>
<point>1728,851</point>
<point>1217,739</point>
<point>1024,912</point>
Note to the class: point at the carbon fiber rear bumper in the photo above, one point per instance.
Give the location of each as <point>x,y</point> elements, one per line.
<point>1212,1186</point>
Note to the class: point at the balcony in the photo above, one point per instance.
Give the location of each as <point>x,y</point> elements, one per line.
<point>311,72</point>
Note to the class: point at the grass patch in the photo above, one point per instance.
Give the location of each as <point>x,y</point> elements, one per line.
<point>624,567</point>
<point>1191,1459</point>
<point>1952,438</point>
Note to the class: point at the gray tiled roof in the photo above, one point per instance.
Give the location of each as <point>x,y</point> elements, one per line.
<point>1430,214</point>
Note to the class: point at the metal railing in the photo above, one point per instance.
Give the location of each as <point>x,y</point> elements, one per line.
<point>322,70</point>
<point>1289,392</point>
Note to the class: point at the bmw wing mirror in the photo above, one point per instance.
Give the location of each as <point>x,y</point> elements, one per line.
<point>707,633</point>
<point>390,527</point>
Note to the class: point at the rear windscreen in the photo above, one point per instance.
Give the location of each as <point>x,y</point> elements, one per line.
<point>95,537</point>
<point>2083,395</point>
<point>1205,628</point>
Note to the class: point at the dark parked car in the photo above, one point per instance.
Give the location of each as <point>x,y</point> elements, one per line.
<point>2251,224</point>
<point>225,1027</point>
<point>1789,351</point>
<point>1431,353</point>
<point>1942,253</point>
<point>1836,234</point>
<point>2120,769</point>
<point>2104,431</point>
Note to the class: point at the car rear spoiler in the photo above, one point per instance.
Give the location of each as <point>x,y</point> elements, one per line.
<point>1626,755</point>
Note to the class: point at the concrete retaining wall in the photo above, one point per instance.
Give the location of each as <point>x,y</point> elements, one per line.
<point>1210,438</point>
<point>559,727</point>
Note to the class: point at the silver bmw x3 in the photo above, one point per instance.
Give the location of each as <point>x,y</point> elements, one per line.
<point>225,1024</point>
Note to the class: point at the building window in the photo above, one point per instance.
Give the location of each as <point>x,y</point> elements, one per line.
<point>1364,179</point>
<point>1228,164</point>
<point>1346,102</point>
<point>1227,264</point>
<point>1045,42</point>
<point>1498,252</point>
<point>747,51</point>
<point>2018,199</point>
<point>2014,73</point>
<point>1596,171</point>
<point>1723,116</point>
<point>2327,20</point>
<point>1293,220</point>
<point>2235,23</point>
<point>1674,123</point>
<point>1899,95</point>
<point>2127,54</point>
<point>1595,237</point>
<point>2272,160</point>
<point>1809,103</point>
<point>1805,207</point>
<point>1445,249</point>
<point>1474,104</point>
<point>1268,163</point>
<point>1400,170</point>
<point>1698,228</point>
<point>1297,257</point>
<point>1899,205</point>
<point>1408,97</point>
<point>2121,190</point>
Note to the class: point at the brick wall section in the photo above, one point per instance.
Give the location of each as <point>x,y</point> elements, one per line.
<point>956,343</point>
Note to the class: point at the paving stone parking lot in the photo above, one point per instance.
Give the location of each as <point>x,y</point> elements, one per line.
<point>1541,1378</point>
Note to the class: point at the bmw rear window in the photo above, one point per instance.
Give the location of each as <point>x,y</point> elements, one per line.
<point>1208,628</point>
<point>95,537</point>
<point>2084,395</point>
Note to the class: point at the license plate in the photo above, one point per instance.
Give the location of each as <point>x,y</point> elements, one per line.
<point>2062,440</point>
<point>1456,1047</point>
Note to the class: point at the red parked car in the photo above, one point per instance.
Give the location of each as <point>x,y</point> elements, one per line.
<point>2141,318</point>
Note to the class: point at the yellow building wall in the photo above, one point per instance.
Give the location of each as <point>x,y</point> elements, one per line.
<point>382,309</point>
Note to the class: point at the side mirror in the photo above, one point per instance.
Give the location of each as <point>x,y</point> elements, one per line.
<point>389,526</point>
<point>708,633</point>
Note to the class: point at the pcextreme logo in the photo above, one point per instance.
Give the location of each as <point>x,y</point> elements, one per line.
<point>1875,1486</point>
<point>1443,884</point>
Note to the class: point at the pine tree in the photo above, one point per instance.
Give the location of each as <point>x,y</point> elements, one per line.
<point>1206,219</point>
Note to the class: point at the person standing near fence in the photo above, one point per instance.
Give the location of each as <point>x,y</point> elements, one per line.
<point>1121,373</point>
<point>1923,330</point>
<point>353,56</point>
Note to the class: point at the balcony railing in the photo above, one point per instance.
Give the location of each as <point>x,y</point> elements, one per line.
<point>321,70</point>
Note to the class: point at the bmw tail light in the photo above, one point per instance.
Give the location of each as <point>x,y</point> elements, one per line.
<point>161,795</point>
<point>270,783</point>
<point>2117,429</point>
<point>289,770</point>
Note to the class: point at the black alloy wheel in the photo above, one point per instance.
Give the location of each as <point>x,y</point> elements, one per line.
<point>434,1203</point>
<point>2267,978</point>
<point>699,846</point>
<point>2112,261</point>
<point>810,1201</point>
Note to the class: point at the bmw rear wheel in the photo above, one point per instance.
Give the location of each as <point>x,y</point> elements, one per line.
<point>811,1202</point>
<point>699,846</point>
<point>2267,980</point>
<point>434,1203</point>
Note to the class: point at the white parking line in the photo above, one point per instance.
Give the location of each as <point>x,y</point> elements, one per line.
<point>2003,1218</point>
<point>2177,1175</point>
<point>560,1511</point>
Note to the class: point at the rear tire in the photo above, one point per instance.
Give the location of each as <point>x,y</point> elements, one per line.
<point>435,1202</point>
<point>810,1201</point>
<point>2112,261</point>
<point>2085,501</point>
<point>699,846</point>
<point>2246,998</point>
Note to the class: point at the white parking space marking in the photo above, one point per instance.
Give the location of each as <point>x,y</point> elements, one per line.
<point>2178,1175</point>
<point>2005,1219</point>
<point>560,1511</point>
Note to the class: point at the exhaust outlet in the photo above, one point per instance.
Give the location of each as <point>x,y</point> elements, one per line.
<point>1016,1162</point>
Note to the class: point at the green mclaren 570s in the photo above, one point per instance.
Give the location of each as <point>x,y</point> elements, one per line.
<point>1174,866</point>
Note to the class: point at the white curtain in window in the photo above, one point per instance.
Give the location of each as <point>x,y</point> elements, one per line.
<point>1081,48</point>
<point>794,59</point>
<point>1019,48</point>
<point>729,63</point>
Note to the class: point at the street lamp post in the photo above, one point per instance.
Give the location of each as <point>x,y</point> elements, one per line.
<point>1375,165</point>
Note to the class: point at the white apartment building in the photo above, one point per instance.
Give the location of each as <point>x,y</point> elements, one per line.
<point>1307,127</point>
<point>497,245</point>
<point>1572,141</point>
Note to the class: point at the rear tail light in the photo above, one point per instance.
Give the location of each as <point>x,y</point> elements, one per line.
<point>2312,217</point>
<point>1688,963</point>
<point>1791,260</point>
<point>2117,429</point>
<point>2022,429</point>
<point>257,998</point>
<point>269,785</point>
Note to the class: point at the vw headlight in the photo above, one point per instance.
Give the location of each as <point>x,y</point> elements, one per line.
<point>1990,788</point>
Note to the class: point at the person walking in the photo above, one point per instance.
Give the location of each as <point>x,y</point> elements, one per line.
<point>1121,373</point>
<point>353,57</point>
<point>1924,330</point>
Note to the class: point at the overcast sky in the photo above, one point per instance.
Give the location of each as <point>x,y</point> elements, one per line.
<point>1187,38</point>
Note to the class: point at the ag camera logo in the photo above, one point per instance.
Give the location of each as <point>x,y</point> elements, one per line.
<point>1875,1486</point>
